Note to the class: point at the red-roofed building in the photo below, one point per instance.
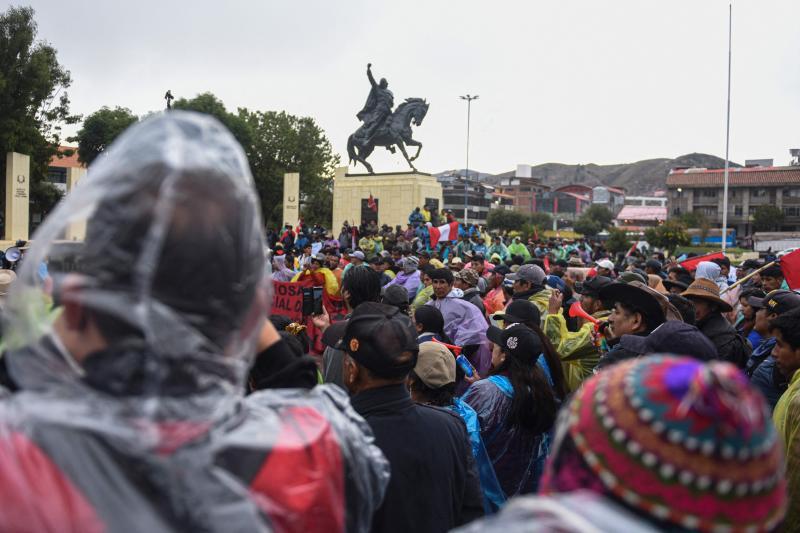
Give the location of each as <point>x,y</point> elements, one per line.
<point>640,217</point>
<point>701,190</point>
<point>64,169</point>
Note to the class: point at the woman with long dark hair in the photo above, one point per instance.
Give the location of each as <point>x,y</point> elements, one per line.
<point>430,325</point>
<point>526,313</point>
<point>516,407</point>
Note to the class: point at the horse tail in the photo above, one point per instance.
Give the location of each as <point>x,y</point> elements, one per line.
<point>351,149</point>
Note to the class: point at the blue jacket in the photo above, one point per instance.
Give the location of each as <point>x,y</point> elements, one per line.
<point>764,372</point>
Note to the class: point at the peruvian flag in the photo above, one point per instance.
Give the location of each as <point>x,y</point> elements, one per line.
<point>299,227</point>
<point>790,265</point>
<point>546,265</point>
<point>371,204</point>
<point>691,264</point>
<point>447,232</point>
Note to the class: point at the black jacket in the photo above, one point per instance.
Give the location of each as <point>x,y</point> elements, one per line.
<point>473,296</point>
<point>731,346</point>
<point>617,353</point>
<point>434,482</point>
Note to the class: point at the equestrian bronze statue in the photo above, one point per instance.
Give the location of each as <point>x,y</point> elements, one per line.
<point>384,127</point>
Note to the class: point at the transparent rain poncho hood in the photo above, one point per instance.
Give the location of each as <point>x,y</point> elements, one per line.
<point>129,334</point>
<point>168,252</point>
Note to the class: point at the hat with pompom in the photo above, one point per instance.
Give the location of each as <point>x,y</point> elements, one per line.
<point>688,444</point>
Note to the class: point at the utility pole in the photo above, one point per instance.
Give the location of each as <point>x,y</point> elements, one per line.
<point>469,100</point>
<point>727,138</point>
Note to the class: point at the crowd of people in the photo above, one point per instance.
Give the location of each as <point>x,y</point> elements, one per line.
<point>493,382</point>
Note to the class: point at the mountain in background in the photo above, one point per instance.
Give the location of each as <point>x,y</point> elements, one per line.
<point>640,178</point>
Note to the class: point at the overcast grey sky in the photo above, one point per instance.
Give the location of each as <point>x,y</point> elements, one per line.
<point>603,81</point>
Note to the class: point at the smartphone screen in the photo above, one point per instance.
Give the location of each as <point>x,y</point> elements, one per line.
<point>317,294</point>
<point>308,301</point>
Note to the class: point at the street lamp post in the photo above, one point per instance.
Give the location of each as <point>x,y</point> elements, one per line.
<point>469,100</point>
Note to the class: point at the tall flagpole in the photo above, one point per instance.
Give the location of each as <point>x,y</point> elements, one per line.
<point>727,137</point>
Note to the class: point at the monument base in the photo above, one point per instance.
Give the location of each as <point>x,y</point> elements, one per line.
<point>395,195</point>
<point>18,172</point>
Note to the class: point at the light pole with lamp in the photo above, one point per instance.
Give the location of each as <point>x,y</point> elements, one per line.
<point>469,100</point>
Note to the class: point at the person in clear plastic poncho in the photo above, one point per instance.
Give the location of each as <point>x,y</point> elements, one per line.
<point>130,360</point>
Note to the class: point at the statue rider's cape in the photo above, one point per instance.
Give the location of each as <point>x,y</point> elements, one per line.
<point>371,103</point>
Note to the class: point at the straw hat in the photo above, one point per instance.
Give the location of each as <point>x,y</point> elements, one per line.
<point>7,277</point>
<point>705,289</point>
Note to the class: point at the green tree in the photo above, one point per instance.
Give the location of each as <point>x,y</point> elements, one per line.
<point>99,130</point>
<point>543,221</point>
<point>617,241</point>
<point>767,218</point>
<point>696,219</point>
<point>503,220</point>
<point>286,143</point>
<point>276,143</point>
<point>33,102</point>
<point>599,214</point>
<point>587,226</point>
<point>668,235</point>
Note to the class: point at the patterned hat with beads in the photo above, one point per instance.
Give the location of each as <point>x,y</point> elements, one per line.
<point>687,444</point>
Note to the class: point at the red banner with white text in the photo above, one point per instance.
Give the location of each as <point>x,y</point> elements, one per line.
<point>287,300</point>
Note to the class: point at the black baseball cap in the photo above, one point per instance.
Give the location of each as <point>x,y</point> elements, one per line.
<point>520,311</point>
<point>382,339</point>
<point>777,302</point>
<point>502,270</point>
<point>654,264</point>
<point>591,287</point>
<point>518,341</point>
<point>674,337</point>
<point>773,271</point>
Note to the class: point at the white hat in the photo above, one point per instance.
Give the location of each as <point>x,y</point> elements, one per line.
<point>605,263</point>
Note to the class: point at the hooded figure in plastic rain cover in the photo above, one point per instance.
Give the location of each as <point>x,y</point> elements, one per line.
<point>131,354</point>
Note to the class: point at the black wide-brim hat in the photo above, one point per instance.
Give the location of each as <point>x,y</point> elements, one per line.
<point>669,284</point>
<point>636,297</point>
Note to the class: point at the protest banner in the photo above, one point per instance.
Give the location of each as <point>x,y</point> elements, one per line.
<point>287,300</point>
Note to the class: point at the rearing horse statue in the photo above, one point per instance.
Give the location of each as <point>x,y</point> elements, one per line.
<point>394,131</point>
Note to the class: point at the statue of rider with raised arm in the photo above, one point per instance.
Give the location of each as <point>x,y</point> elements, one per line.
<point>379,105</point>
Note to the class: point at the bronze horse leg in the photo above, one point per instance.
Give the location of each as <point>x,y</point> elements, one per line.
<point>412,142</point>
<point>402,147</point>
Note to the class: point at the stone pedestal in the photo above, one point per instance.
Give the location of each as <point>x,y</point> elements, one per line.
<point>395,193</point>
<point>291,198</point>
<point>18,173</point>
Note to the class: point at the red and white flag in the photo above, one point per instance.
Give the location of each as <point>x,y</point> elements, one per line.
<point>790,265</point>
<point>446,232</point>
<point>691,263</point>
<point>299,227</point>
<point>371,204</point>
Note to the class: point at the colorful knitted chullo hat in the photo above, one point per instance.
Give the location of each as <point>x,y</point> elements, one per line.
<point>688,445</point>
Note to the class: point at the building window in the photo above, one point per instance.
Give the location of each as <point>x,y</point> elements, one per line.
<point>737,210</point>
<point>709,193</point>
<point>432,202</point>
<point>791,211</point>
<point>759,193</point>
<point>57,175</point>
<point>708,210</point>
<point>791,193</point>
<point>676,211</point>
